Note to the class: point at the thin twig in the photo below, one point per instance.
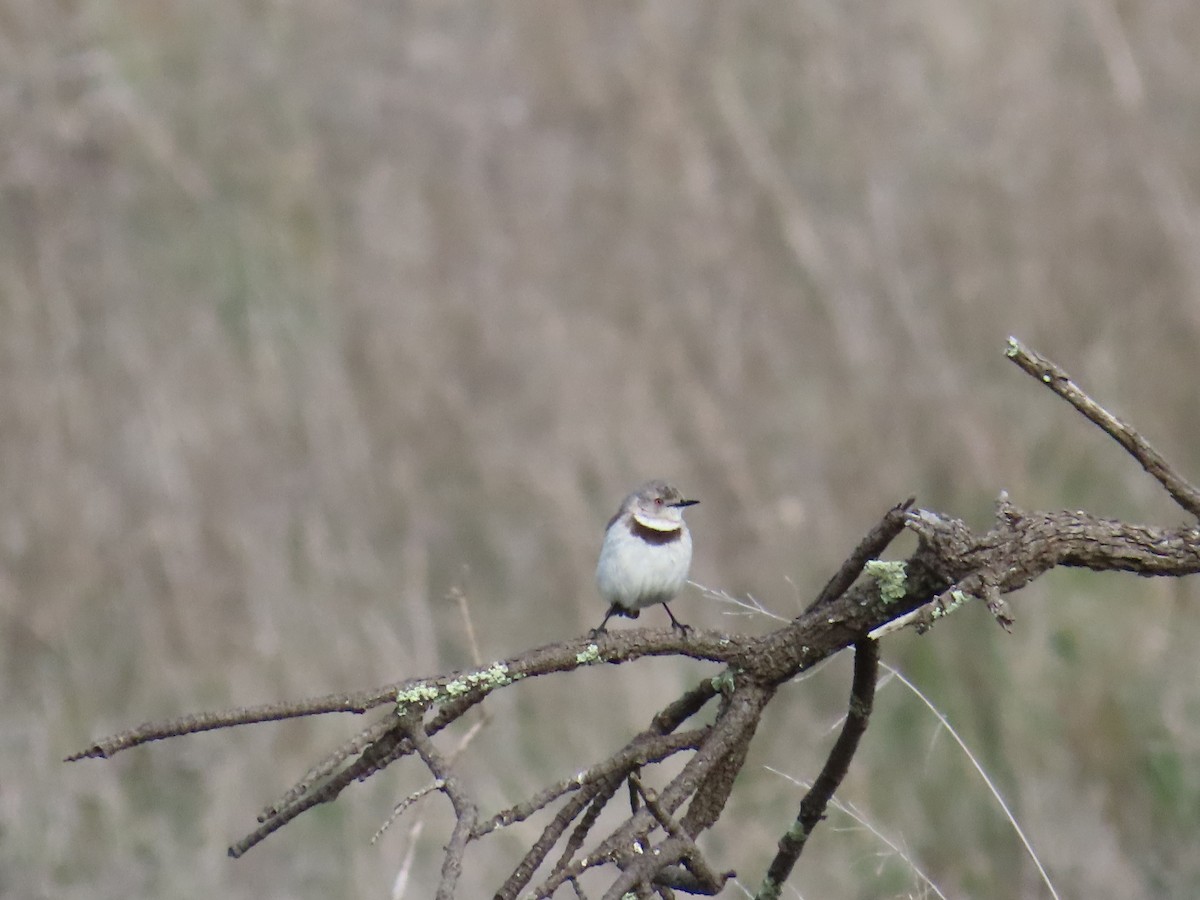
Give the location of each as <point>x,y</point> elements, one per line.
<point>228,718</point>
<point>873,543</point>
<point>326,767</point>
<point>853,812</point>
<point>399,808</point>
<point>590,799</point>
<point>466,811</point>
<point>700,879</point>
<point>459,596</point>
<point>812,807</point>
<point>600,797</point>
<point>326,793</point>
<point>1053,376</point>
<point>731,732</point>
<point>644,749</point>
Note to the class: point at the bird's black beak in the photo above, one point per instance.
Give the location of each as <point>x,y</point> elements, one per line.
<point>685,502</point>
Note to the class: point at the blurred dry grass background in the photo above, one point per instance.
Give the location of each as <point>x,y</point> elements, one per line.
<point>311,312</point>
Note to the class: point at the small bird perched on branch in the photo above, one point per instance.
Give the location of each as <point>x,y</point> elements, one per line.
<point>646,552</point>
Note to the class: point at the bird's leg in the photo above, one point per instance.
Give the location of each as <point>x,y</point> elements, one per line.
<point>613,610</point>
<point>675,623</point>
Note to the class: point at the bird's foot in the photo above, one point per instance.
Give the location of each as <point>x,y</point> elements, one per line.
<point>613,610</point>
<point>676,625</point>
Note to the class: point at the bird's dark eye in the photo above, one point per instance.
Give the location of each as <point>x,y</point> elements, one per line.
<point>658,501</point>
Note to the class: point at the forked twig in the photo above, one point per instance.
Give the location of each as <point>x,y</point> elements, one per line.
<point>466,813</point>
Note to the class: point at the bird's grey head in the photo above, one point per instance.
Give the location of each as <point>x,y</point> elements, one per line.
<point>657,505</point>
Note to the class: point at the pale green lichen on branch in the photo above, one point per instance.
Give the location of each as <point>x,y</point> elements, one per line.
<point>588,655</point>
<point>891,578</point>
<point>418,693</point>
<point>496,675</point>
<point>958,598</point>
<point>723,683</point>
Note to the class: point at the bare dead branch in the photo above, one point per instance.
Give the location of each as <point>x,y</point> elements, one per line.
<point>654,849</point>
<point>472,685</point>
<point>326,767</point>
<point>633,755</point>
<point>592,797</point>
<point>1051,375</point>
<point>812,807</point>
<point>698,878</point>
<point>241,715</point>
<point>472,733</point>
<point>327,792</point>
<point>466,813</point>
<point>871,546</point>
<point>729,739</point>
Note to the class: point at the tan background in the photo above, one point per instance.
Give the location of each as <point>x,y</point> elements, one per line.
<point>311,312</point>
